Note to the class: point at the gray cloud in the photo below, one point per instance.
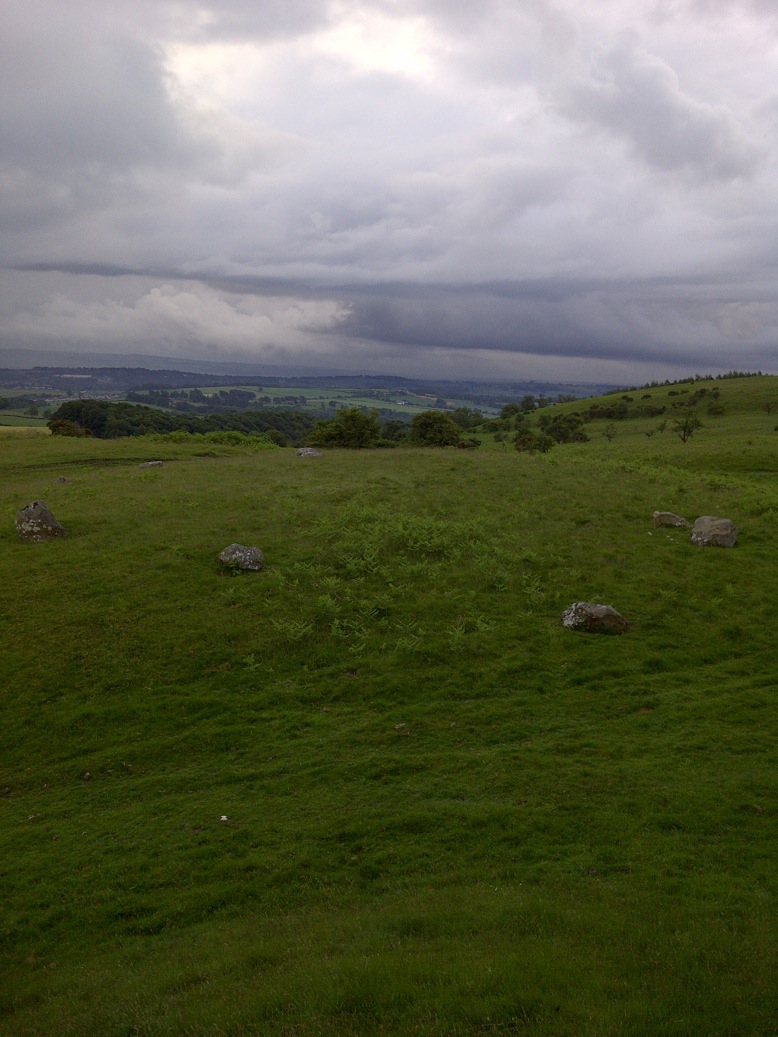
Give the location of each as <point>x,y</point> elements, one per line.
<point>403,182</point>
<point>636,95</point>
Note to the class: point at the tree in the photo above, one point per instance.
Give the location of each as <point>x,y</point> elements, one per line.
<point>610,433</point>
<point>529,442</point>
<point>563,428</point>
<point>685,427</point>
<point>466,417</point>
<point>352,429</point>
<point>433,428</point>
<point>62,427</point>
<point>394,430</point>
<point>89,414</point>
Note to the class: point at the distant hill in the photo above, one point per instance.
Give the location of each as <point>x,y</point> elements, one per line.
<point>27,359</point>
<point>26,369</point>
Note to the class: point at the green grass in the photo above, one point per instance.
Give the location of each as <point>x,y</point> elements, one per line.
<point>447,815</point>
<point>22,429</point>
<point>402,403</point>
<point>10,420</point>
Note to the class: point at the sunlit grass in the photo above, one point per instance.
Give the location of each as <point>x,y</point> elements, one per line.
<point>22,427</point>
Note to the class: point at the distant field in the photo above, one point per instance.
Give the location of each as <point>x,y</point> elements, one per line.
<point>11,425</point>
<point>377,788</point>
<point>401,403</point>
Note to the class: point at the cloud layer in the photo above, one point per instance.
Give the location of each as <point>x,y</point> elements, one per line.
<point>520,188</point>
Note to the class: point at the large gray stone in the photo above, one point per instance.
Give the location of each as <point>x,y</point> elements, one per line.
<point>669,518</point>
<point>36,523</point>
<point>710,531</point>
<point>308,451</point>
<point>244,559</point>
<point>594,618</point>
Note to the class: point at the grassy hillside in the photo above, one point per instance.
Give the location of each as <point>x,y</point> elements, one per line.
<point>377,788</point>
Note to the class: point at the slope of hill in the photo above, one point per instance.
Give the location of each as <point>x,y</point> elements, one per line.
<point>377,788</point>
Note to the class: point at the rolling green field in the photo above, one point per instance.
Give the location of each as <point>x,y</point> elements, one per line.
<point>377,788</point>
<point>16,419</point>
<point>401,403</point>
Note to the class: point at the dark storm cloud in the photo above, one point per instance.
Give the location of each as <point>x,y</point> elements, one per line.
<point>602,320</point>
<point>401,182</point>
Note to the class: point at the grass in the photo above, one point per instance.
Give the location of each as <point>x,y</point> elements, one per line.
<point>446,814</point>
<point>21,429</point>
<point>15,424</point>
<point>401,403</point>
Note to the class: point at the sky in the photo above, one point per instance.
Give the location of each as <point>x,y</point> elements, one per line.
<point>514,189</point>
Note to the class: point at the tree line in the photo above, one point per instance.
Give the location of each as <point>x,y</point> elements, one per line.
<point>104,419</point>
<point>352,428</point>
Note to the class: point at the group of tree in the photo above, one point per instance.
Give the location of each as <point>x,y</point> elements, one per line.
<point>29,404</point>
<point>354,429</point>
<point>195,400</point>
<point>350,428</point>
<point>107,420</point>
<point>563,428</point>
<point>568,427</point>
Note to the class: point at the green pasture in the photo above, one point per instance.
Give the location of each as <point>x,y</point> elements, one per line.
<point>377,788</point>
<point>402,403</point>
<point>13,425</point>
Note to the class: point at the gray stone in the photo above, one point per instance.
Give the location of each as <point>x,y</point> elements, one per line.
<point>710,531</point>
<point>594,618</point>
<point>245,559</point>
<point>150,464</point>
<point>668,518</point>
<point>308,451</point>
<point>36,523</point>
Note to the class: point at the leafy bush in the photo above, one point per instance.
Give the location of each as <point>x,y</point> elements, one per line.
<point>62,427</point>
<point>107,420</point>
<point>350,428</point>
<point>253,441</point>
<point>563,428</point>
<point>528,442</point>
<point>434,428</point>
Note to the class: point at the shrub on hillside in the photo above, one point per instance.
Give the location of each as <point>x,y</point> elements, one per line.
<point>528,442</point>
<point>434,428</point>
<point>351,428</point>
<point>563,428</point>
<point>62,427</point>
